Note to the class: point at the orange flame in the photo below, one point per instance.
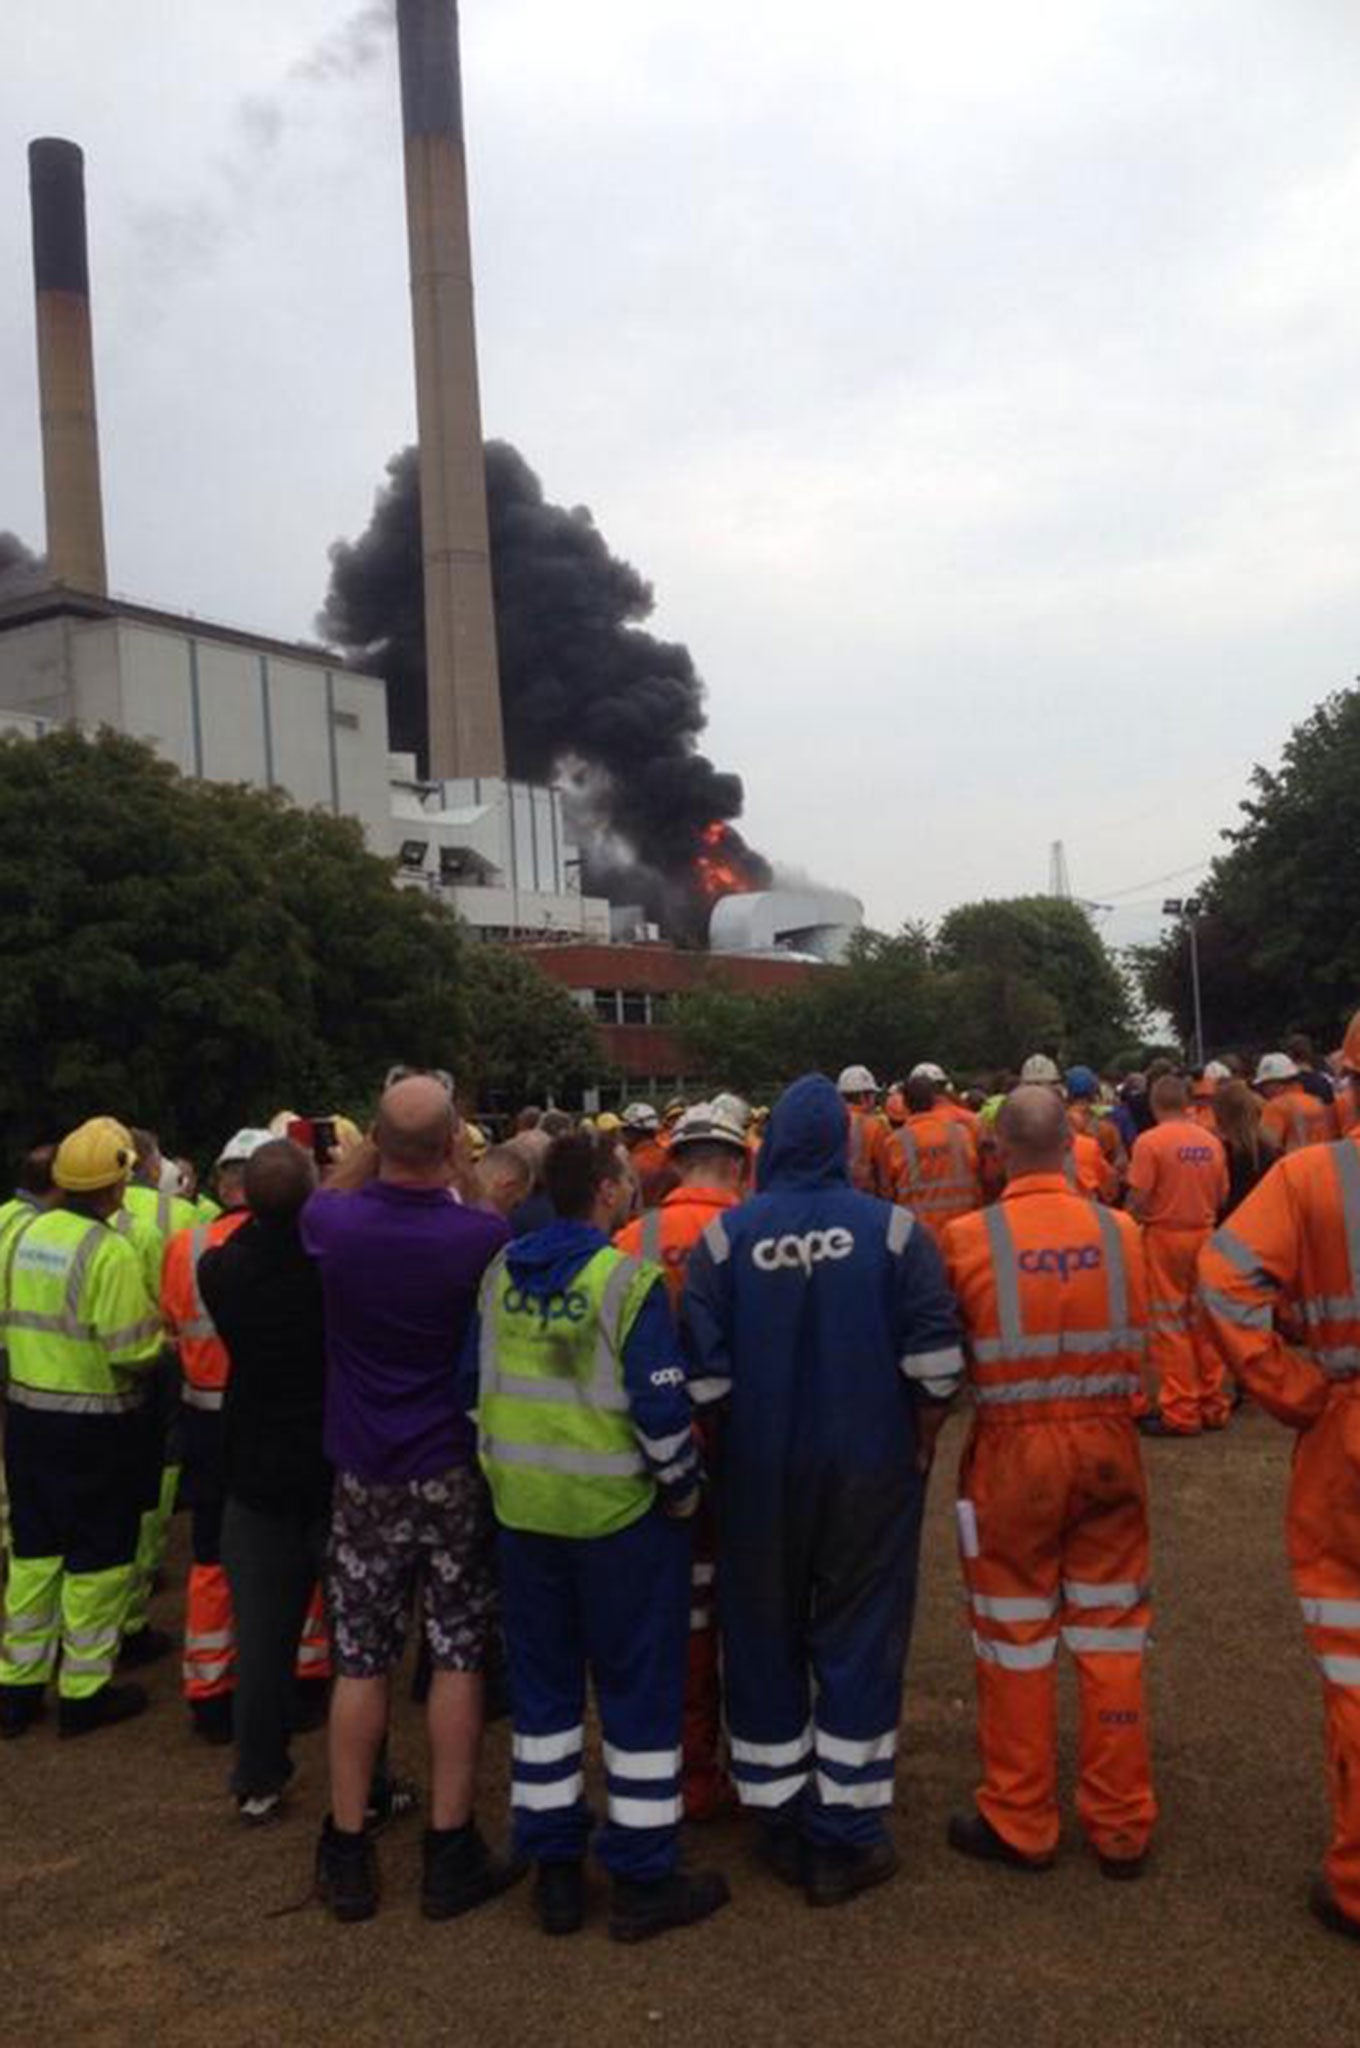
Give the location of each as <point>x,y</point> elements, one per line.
<point>716,874</point>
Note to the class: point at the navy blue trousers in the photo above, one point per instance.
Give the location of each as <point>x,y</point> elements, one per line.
<point>616,1608</point>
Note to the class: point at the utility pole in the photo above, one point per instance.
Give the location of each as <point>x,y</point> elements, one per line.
<point>1188,909</point>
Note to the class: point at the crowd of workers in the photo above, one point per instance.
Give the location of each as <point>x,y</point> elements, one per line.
<point>649,1403</point>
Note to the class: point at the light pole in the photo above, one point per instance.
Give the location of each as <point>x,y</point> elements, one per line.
<point>1188,908</point>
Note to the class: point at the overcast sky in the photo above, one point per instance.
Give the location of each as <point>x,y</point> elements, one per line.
<point>979,384</point>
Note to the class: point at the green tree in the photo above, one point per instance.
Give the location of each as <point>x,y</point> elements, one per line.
<point>1042,974</point>
<point>527,1038</point>
<point>1279,938</point>
<point>193,956</point>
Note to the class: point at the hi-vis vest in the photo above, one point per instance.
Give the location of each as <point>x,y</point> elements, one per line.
<point>1088,1365</point>
<point>78,1324</point>
<point>203,1357</point>
<point>944,1188</point>
<point>556,1437</point>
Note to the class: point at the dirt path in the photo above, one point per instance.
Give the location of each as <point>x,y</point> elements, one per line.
<point>134,1908</point>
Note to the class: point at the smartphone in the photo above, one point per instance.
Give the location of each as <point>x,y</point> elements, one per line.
<point>315,1134</point>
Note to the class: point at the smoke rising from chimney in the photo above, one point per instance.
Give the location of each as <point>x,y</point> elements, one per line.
<point>20,569</point>
<point>591,700</point>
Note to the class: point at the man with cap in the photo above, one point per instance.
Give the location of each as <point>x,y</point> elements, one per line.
<point>83,1336</point>
<point>648,1157</point>
<point>1292,1118</point>
<point>1082,1088</point>
<point>708,1146</point>
<point>873,1163</point>
<point>208,1671</point>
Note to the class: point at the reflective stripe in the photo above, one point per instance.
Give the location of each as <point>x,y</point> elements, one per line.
<point>208,1398</point>
<point>1238,1253</point>
<point>207,1670</point>
<point>613,1400</point>
<point>718,1242</point>
<point>30,1623</point>
<point>645,1813</point>
<point>1341,1670</point>
<point>1006,1273</point>
<point>651,1237</point>
<point>1015,1607</point>
<point>55,1403</point>
<point>87,1667</point>
<point>642,1763</point>
<point>28,1653</point>
<point>1331,1613</point>
<point>211,1639</point>
<point>703,1574</point>
<point>703,1391</point>
<point>11,1250</point>
<point>1109,1640</point>
<point>547,1749</point>
<point>1064,1387</point>
<point>868,1792</point>
<point>878,1749</point>
<point>1246,1315</point>
<point>700,1618</point>
<point>1016,1656</point>
<point>313,1653</point>
<point>548,1798</point>
<point>772,1753</point>
<point>901,1223</point>
<point>773,1792</point>
<point>62,1325</point>
<point>105,1637</point>
<point>1119,1593</point>
<point>1056,1344</point>
<point>135,1333</point>
<point>943,1365</point>
<point>661,1449</point>
<point>1329,1308</point>
<point>1342,1363</point>
<point>565,1459</point>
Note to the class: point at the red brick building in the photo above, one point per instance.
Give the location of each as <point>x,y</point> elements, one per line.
<point>630,991</point>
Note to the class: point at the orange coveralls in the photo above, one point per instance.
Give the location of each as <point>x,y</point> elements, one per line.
<point>1294,1245</point>
<point>666,1236</point>
<point>1179,1171</point>
<point>1052,1512</point>
<point>873,1167</point>
<point>936,1169</point>
<point>1294,1118</point>
<point>209,1667</point>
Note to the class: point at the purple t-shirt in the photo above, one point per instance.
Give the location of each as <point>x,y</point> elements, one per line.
<point>400,1269</point>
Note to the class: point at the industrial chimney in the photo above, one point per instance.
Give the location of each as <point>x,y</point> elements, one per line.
<point>466,736</point>
<point>70,435</point>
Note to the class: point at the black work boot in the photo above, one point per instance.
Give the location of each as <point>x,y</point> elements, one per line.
<point>346,1873</point>
<point>834,1875</point>
<point>973,1836</point>
<point>1324,1908</point>
<point>560,1898</point>
<point>212,1719</point>
<point>20,1707</point>
<point>782,1850</point>
<point>101,1709</point>
<point>461,1873</point>
<point>147,1646</point>
<point>639,1911</point>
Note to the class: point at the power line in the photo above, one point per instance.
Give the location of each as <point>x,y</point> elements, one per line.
<point>1154,881</point>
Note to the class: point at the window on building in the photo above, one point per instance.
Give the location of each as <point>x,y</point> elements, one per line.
<point>606,1005</point>
<point>635,1007</point>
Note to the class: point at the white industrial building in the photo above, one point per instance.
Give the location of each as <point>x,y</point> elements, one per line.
<point>807,923</point>
<point>229,706</point>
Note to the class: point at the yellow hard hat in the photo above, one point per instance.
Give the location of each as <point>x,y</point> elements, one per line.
<point>476,1139</point>
<point>607,1121</point>
<point>100,1154</point>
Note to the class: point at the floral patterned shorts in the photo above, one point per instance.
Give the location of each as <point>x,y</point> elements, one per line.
<point>426,1539</point>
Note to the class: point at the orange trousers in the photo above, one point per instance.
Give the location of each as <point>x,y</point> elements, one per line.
<point>209,1667</point>
<point>1322,1531</point>
<point>1188,1370</point>
<point>1054,1534</point>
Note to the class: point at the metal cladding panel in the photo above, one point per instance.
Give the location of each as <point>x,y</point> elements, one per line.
<point>230,724</point>
<point>56,176</point>
<point>431,88</point>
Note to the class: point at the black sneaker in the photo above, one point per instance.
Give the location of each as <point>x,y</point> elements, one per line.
<point>639,1911</point>
<point>782,1850</point>
<point>212,1719</point>
<point>461,1873</point>
<point>346,1873</point>
<point>147,1646</point>
<point>1123,1869</point>
<point>833,1876</point>
<point>1324,1908</point>
<point>973,1836</point>
<point>560,1898</point>
<point>20,1707</point>
<point>101,1710</point>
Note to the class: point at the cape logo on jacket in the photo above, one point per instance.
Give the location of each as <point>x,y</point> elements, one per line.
<point>1195,1155</point>
<point>549,1308</point>
<point>794,1254</point>
<point>1075,1258</point>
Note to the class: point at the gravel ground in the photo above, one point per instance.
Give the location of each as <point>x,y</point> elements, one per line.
<point>134,1907</point>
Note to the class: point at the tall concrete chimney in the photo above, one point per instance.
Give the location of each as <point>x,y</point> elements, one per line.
<point>463,676</point>
<point>70,434</point>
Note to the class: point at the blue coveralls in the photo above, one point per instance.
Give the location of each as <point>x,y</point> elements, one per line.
<point>818,1316</point>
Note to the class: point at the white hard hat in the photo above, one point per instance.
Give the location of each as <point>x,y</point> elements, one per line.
<point>735,1108</point>
<point>640,1116</point>
<point>926,1070</point>
<point>857,1081</point>
<point>1216,1072</point>
<point>1039,1071</point>
<point>1276,1066</point>
<point>243,1146</point>
<point>710,1123</point>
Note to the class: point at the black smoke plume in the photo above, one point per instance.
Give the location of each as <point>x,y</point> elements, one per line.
<point>591,700</point>
<point>20,569</point>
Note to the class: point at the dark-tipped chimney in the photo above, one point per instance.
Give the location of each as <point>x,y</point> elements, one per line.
<point>466,734</point>
<point>70,433</point>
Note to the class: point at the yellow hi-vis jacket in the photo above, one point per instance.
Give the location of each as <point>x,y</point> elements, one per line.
<point>77,1320</point>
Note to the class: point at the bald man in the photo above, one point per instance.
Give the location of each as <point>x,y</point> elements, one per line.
<point>401,1261</point>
